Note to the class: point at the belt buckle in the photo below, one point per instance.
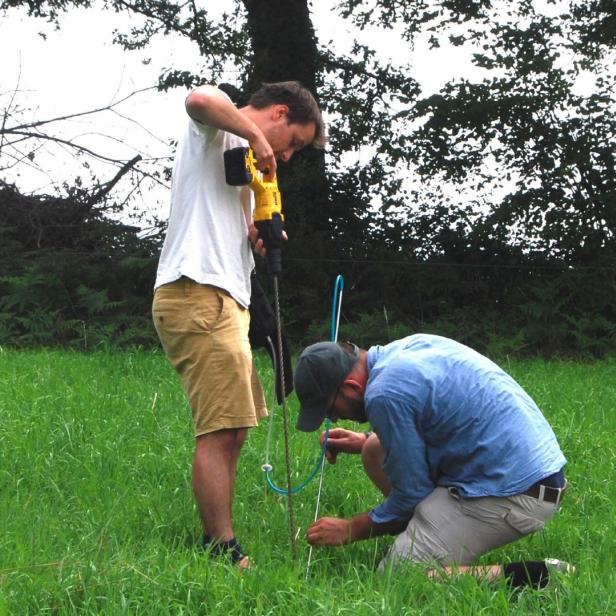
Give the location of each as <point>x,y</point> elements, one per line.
<point>542,490</point>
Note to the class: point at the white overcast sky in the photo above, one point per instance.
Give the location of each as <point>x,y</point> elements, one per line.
<point>78,68</point>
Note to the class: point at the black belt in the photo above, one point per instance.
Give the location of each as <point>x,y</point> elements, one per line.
<point>546,492</point>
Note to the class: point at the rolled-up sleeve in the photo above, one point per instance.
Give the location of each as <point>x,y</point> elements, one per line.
<point>405,463</point>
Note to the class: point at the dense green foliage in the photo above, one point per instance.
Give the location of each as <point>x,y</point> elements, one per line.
<point>98,515</point>
<point>70,275</point>
<point>486,210</point>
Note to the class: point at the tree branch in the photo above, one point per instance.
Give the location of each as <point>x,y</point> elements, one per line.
<point>80,148</point>
<point>101,194</point>
<point>75,115</point>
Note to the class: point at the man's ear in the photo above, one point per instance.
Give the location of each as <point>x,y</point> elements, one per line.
<point>355,385</point>
<point>280,111</point>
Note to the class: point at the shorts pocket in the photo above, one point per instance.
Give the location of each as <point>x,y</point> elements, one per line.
<point>523,523</point>
<point>207,310</point>
<point>177,314</point>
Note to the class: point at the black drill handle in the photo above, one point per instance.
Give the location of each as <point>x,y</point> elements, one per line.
<point>270,231</point>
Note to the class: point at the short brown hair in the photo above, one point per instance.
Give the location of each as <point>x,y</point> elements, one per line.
<point>302,106</point>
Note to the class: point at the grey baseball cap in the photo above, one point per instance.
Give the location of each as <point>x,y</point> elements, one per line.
<point>320,371</point>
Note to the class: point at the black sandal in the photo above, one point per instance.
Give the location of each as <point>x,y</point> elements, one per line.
<point>230,548</point>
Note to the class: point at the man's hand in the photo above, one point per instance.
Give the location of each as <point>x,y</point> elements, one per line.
<point>338,531</point>
<point>342,441</point>
<point>329,531</point>
<point>265,158</point>
<point>257,242</point>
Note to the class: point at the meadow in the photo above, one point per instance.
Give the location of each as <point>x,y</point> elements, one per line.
<point>97,514</point>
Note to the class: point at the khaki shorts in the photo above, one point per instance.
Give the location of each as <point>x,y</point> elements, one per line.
<point>204,333</point>
<point>452,530</point>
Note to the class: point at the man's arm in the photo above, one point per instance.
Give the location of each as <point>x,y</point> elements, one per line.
<point>406,457</point>
<point>340,531</point>
<point>210,106</point>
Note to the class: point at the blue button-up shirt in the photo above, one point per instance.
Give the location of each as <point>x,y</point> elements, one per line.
<point>447,416</point>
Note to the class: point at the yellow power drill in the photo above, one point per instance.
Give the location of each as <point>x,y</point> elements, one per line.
<point>240,170</point>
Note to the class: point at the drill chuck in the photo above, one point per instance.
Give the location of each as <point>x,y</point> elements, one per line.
<point>270,231</point>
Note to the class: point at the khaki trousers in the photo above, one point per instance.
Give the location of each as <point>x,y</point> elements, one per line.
<point>452,530</point>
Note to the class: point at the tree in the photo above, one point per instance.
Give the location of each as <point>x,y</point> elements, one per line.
<point>551,146</point>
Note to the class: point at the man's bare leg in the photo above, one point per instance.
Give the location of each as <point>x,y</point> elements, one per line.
<point>372,456</point>
<point>214,468</point>
<point>240,438</point>
<point>480,572</point>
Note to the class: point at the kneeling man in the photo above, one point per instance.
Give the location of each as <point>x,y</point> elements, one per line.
<point>464,457</point>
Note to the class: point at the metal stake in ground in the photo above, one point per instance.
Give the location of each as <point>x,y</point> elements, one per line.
<point>336,306</point>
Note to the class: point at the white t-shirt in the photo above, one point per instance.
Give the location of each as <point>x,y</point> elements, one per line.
<point>207,237</point>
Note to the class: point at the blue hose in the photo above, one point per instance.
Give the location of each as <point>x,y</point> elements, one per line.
<point>267,468</point>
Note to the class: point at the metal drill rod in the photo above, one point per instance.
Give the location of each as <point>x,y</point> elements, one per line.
<point>285,417</point>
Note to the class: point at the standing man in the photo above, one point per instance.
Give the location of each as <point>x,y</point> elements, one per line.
<point>465,459</point>
<point>202,290</point>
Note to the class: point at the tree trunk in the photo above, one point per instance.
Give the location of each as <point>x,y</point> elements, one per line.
<point>283,42</point>
<point>285,48</point>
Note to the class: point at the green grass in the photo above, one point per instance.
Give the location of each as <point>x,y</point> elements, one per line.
<point>97,514</point>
